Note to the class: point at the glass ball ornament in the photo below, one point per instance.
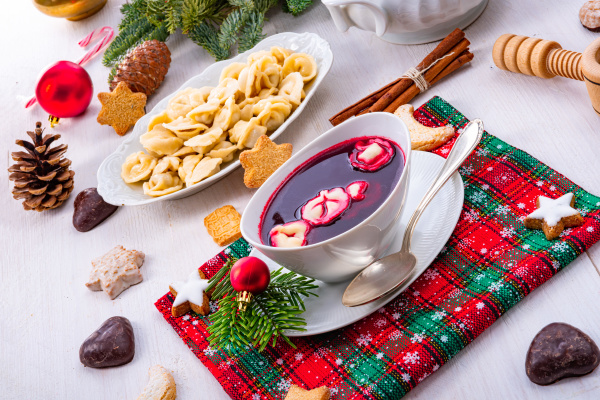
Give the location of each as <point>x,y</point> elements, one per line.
<point>64,90</point>
<point>250,274</point>
<point>72,10</point>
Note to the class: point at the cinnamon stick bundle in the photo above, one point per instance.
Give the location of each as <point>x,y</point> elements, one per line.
<point>449,55</point>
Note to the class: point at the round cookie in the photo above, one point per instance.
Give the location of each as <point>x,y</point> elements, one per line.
<point>589,15</point>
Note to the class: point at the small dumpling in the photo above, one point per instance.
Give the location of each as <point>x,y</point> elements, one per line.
<point>228,115</point>
<point>246,133</point>
<point>232,71</point>
<point>185,128</point>
<point>280,54</point>
<point>188,164</point>
<point>300,62</point>
<point>161,141</point>
<point>291,88</point>
<point>205,113</point>
<point>162,184</point>
<point>266,93</point>
<point>246,112</point>
<point>199,96</point>
<point>202,144</point>
<point>272,112</point>
<point>137,167</point>
<point>161,118</point>
<point>184,151</point>
<point>224,150</point>
<point>264,73</point>
<point>258,54</point>
<point>227,87</point>
<point>167,164</point>
<point>205,168</point>
<point>179,105</point>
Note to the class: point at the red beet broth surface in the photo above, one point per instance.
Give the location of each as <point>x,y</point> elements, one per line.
<point>329,169</point>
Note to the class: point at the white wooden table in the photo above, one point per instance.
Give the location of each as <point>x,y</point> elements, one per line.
<point>47,311</point>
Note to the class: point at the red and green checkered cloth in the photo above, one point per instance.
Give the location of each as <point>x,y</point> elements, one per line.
<point>490,262</point>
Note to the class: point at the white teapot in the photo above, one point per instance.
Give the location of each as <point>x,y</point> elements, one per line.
<point>405,21</point>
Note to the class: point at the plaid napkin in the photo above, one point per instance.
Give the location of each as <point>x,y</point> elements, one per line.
<point>490,262</point>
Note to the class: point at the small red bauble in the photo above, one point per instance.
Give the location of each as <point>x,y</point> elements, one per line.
<point>64,90</point>
<point>250,274</point>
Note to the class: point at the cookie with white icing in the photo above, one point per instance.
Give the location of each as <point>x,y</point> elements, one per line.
<point>190,295</point>
<point>554,215</point>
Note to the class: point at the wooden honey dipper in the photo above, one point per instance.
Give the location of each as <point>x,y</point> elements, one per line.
<point>546,59</point>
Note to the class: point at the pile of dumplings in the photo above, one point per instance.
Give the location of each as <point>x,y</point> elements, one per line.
<point>204,128</point>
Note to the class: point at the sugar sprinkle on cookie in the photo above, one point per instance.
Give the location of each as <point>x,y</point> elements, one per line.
<point>116,271</point>
<point>264,159</point>
<point>190,295</point>
<point>121,108</point>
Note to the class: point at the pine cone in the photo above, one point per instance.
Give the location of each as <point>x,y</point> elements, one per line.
<point>144,68</point>
<point>42,176</point>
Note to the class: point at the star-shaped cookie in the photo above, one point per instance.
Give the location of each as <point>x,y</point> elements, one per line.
<point>554,215</point>
<point>190,295</point>
<point>121,108</point>
<point>223,225</point>
<point>297,393</point>
<point>264,159</point>
<point>116,271</point>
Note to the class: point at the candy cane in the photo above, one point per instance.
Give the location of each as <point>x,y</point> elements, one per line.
<point>106,33</point>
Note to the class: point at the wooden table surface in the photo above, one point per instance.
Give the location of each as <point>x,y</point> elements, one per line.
<point>47,311</point>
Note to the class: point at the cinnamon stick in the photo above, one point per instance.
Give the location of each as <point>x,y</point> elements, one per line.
<point>441,49</point>
<point>413,90</point>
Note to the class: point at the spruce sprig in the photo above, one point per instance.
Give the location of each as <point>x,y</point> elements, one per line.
<point>267,316</point>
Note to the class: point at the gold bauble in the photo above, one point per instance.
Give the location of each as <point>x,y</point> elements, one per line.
<point>72,10</point>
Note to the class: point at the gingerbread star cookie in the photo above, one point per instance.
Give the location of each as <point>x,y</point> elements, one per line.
<point>297,393</point>
<point>116,271</point>
<point>264,159</point>
<point>223,225</point>
<point>554,215</point>
<point>121,108</point>
<point>190,295</point>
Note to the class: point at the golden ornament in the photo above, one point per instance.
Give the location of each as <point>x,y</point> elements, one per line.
<point>73,10</point>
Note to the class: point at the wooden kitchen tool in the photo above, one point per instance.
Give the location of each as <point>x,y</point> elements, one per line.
<point>546,59</point>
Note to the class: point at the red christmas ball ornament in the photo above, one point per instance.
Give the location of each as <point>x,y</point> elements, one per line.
<point>64,90</point>
<point>249,276</point>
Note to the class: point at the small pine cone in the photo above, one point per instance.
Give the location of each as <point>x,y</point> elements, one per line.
<point>144,68</point>
<point>41,176</point>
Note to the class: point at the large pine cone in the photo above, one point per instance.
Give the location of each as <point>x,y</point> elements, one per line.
<point>144,68</point>
<point>42,176</point>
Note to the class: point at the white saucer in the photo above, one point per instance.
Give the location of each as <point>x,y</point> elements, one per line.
<point>326,312</point>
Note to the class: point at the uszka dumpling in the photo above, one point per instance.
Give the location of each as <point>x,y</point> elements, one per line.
<point>184,151</point>
<point>180,104</point>
<point>203,143</point>
<point>199,96</point>
<point>232,71</point>
<point>280,54</point>
<point>227,116</point>
<point>227,88</point>
<point>291,88</point>
<point>224,150</point>
<point>205,168</point>
<point>188,164</point>
<point>300,62</point>
<point>167,164</point>
<point>185,128</point>
<point>161,141</point>
<point>246,133</point>
<point>162,184</point>
<point>258,54</point>
<point>159,119</point>
<point>263,73</point>
<point>272,112</point>
<point>205,113</point>
<point>137,167</point>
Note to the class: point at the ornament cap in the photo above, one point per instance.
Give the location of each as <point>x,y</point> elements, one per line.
<point>243,298</point>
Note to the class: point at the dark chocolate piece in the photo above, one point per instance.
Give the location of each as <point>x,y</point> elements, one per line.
<point>110,345</point>
<point>90,210</point>
<point>560,351</point>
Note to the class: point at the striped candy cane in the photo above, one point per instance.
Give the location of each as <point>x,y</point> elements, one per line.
<point>105,33</point>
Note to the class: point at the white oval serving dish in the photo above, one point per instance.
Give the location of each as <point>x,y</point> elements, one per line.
<point>115,191</point>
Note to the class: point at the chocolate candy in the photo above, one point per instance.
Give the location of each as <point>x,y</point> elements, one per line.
<point>110,345</point>
<point>559,351</point>
<point>90,210</point>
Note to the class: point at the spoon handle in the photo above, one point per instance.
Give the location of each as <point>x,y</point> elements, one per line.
<point>464,145</point>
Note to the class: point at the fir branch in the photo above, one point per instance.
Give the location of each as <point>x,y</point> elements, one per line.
<point>252,31</point>
<point>230,28</point>
<point>295,7</point>
<point>125,40</point>
<point>205,35</point>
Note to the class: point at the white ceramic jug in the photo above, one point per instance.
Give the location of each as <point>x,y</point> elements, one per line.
<point>405,21</point>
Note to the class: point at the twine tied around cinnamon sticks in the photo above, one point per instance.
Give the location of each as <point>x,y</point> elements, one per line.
<point>452,53</point>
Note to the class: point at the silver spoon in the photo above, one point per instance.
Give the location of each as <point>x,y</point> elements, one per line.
<point>383,276</point>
